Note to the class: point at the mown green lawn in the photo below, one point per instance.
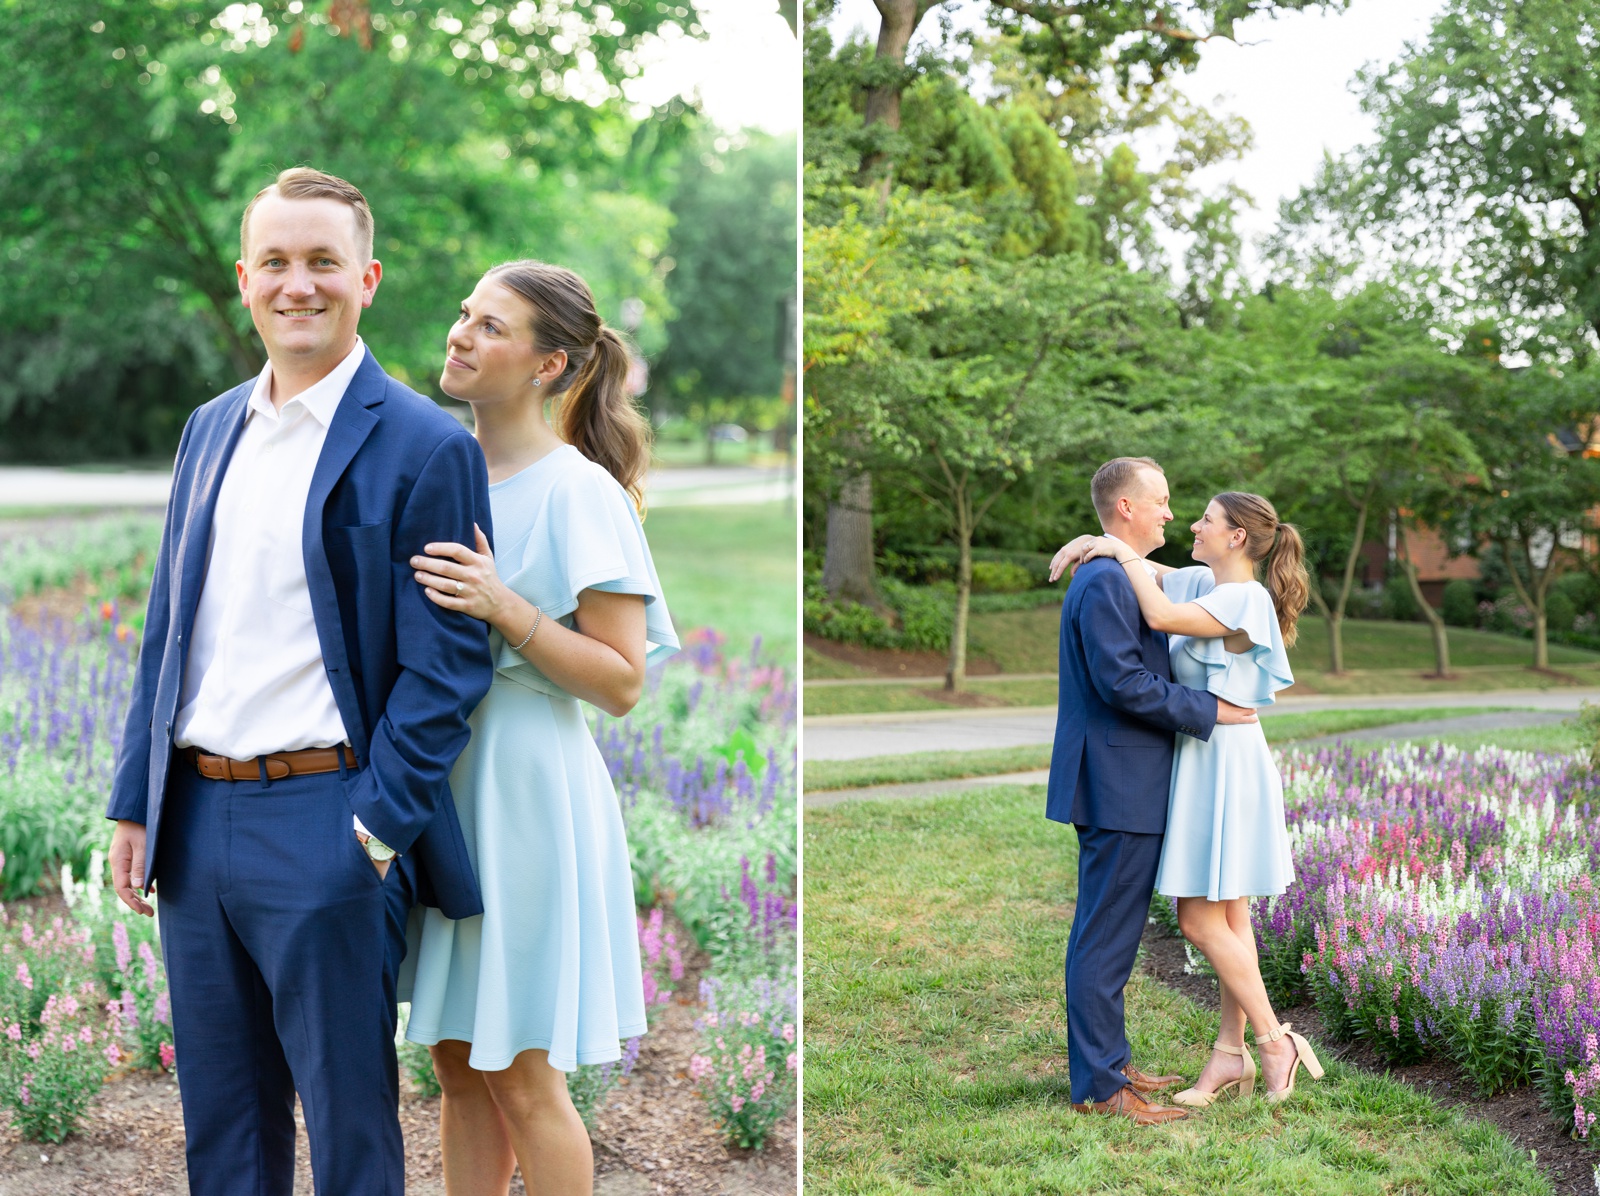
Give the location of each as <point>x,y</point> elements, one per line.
<point>989,762</point>
<point>1028,641</point>
<point>1553,737</point>
<point>869,699</point>
<point>731,568</point>
<point>1381,657</point>
<point>936,1053</point>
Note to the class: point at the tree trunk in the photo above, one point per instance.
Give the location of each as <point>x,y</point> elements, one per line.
<point>900,21</point>
<point>956,676</point>
<point>847,563</point>
<point>1441,635</point>
<point>1336,615</point>
<point>1321,603</point>
<point>1533,594</point>
<point>711,446</point>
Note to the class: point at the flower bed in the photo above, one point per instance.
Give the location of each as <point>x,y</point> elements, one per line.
<point>1445,903</point>
<point>705,769</point>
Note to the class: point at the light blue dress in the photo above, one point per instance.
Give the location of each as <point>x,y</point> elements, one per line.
<point>553,962</point>
<point>1226,836</point>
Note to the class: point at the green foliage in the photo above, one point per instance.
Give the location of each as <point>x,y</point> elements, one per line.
<point>119,551</point>
<point>1001,577</point>
<point>925,612</point>
<point>1460,607</point>
<point>417,1063</point>
<point>135,134</point>
<point>846,622</point>
<point>732,273</point>
<point>1398,602</point>
<point>1559,612</point>
<point>1482,175</point>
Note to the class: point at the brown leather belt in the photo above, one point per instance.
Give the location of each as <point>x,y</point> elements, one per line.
<point>278,764</point>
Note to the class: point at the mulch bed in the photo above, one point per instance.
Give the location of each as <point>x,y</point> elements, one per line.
<point>652,1137</point>
<point>1565,1161</point>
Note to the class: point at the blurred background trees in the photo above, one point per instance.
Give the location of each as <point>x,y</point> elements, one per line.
<point>134,133</point>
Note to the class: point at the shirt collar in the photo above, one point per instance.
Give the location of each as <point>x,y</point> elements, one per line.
<point>320,399</point>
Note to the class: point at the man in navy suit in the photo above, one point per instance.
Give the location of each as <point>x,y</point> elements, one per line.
<point>298,706</point>
<point>1110,770</point>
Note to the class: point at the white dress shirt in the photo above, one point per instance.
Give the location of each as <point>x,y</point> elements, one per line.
<point>254,680</point>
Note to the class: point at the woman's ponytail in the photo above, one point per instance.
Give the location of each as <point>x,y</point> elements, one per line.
<point>598,417</point>
<point>1287,580</point>
<point>1280,546</point>
<point>596,413</point>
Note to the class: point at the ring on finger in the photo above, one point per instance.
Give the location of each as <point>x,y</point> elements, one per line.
<point>460,585</point>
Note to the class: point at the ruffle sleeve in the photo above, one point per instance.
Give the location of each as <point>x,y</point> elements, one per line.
<point>1254,676</point>
<point>587,536</point>
<point>1185,585</point>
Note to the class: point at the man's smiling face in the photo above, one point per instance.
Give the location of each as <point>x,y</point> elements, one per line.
<point>305,279</point>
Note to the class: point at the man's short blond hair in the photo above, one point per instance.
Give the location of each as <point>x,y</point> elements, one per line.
<point>1116,479</point>
<point>302,182</point>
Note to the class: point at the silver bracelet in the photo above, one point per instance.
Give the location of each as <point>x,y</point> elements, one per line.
<point>537,615</point>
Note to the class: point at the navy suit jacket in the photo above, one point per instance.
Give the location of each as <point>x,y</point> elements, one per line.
<point>1118,710</point>
<point>396,472</point>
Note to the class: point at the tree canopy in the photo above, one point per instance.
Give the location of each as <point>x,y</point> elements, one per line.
<point>135,133</point>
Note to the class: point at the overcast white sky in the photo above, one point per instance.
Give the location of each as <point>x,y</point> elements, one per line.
<point>747,69</point>
<point>1289,77</point>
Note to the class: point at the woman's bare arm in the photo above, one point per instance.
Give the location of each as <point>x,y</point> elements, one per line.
<point>1161,612</point>
<point>1076,551</point>
<point>601,662</point>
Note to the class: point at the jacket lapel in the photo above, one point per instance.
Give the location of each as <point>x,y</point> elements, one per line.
<point>210,468</point>
<point>353,421</point>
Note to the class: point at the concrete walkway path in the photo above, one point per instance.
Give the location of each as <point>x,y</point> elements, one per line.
<point>854,736</point>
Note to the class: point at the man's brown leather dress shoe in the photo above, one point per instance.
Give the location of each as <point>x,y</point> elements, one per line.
<point>1130,1104</point>
<point>1144,1085</point>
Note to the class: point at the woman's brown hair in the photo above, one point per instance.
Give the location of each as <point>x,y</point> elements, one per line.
<point>1279,544</point>
<point>596,414</point>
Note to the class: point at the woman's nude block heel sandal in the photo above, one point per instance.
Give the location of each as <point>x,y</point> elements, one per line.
<point>1195,1099</point>
<point>1302,1054</point>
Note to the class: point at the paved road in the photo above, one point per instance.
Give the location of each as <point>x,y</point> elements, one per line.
<point>852,737</point>
<point>29,488</point>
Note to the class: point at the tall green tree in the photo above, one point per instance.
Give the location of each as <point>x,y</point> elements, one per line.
<point>867,273</point>
<point>1360,417</point>
<point>1485,171</point>
<point>1539,487</point>
<point>1041,355</point>
<point>732,254</point>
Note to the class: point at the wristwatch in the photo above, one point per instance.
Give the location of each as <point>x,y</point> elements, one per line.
<point>375,850</point>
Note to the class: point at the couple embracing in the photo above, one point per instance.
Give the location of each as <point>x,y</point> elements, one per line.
<point>1161,765</point>
<point>355,769</point>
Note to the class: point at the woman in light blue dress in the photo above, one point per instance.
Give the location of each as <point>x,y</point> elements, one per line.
<point>548,978</point>
<point>1226,840</point>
